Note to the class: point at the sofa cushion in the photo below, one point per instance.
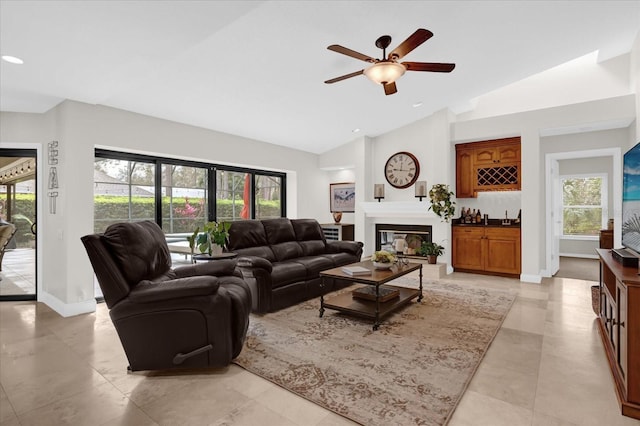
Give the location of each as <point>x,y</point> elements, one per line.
<point>340,259</point>
<point>139,249</point>
<point>287,272</point>
<point>315,264</point>
<point>287,250</point>
<point>310,236</point>
<point>264,252</point>
<point>279,230</point>
<point>246,233</point>
<point>307,229</point>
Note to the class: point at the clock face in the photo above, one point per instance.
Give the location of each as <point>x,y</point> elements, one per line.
<point>402,170</point>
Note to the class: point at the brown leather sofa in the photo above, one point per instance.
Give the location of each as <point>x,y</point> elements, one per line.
<point>281,260</point>
<point>191,316</point>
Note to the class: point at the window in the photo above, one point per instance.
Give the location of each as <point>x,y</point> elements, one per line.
<point>268,193</point>
<point>232,195</point>
<point>584,205</point>
<point>123,191</point>
<point>184,198</point>
<point>178,194</point>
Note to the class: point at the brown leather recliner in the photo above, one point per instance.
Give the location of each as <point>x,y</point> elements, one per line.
<point>191,316</point>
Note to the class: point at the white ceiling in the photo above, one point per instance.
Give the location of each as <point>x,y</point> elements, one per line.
<point>257,68</point>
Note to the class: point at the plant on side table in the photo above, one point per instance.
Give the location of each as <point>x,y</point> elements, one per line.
<point>431,250</point>
<point>212,238</point>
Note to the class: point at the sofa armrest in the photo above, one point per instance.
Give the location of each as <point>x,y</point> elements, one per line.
<point>255,262</point>
<point>351,247</point>
<point>148,291</point>
<point>215,268</point>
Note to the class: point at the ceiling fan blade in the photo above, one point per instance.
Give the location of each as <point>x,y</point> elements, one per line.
<point>344,77</point>
<point>390,88</point>
<point>352,53</point>
<point>416,39</point>
<point>429,66</point>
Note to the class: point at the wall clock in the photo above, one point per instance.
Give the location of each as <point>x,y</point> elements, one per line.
<point>402,169</point>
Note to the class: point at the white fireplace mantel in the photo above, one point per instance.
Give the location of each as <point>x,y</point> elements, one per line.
<point>398,209</point>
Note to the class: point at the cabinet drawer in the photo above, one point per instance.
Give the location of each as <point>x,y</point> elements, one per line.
<point>511,233</point>
<point>471,231</point>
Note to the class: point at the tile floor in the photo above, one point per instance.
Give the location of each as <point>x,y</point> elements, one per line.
<point>18,272</point>
<point>545,367</point>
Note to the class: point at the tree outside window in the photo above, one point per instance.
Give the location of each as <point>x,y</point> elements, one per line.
<point>584,205</point>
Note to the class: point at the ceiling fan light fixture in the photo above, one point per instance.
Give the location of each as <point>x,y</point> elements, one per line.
<point>385,72</point>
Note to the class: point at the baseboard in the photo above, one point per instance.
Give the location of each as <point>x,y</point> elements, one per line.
<point>67,309</point>
<point>531,278</point>
<point>579,255</point>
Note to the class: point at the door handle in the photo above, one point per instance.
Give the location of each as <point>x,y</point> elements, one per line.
<point>33,228</point>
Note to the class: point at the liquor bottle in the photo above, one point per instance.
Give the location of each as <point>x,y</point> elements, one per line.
<point>478,217</point>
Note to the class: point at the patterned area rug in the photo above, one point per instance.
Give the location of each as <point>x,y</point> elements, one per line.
<point>413,370</point>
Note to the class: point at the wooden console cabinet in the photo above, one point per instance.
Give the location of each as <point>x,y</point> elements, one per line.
<point>486,249</point>
<point>619,324</point>
<point>492,165</point>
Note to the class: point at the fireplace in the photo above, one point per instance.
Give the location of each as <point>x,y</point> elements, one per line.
<point>413,235</point>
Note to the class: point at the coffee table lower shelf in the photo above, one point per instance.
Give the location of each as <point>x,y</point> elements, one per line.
<point>367,308</point>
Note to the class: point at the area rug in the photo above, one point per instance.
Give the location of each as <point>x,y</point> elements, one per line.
<point>412,371</point>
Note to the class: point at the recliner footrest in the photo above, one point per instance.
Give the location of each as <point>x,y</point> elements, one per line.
<point>180,357</point>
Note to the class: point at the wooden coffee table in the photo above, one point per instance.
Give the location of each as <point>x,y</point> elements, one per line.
<point>372,309</point>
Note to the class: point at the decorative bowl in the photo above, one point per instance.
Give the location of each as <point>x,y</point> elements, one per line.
<point>381,265</point>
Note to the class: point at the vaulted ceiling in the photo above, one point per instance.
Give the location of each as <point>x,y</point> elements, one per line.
<point>257,68</point>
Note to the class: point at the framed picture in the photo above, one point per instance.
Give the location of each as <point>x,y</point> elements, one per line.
<point>342,197</point>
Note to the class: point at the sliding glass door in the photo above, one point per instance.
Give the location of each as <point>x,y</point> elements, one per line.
<point>18,201</point>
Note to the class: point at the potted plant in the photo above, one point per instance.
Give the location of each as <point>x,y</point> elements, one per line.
<point>441,203</point>
<point>382,259</point>
<point>212,240</point>
<point>431,250</point>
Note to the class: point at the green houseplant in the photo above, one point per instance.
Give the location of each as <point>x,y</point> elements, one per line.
<point>212,238</point>
<point>431,250</point>
<point>441,204</point>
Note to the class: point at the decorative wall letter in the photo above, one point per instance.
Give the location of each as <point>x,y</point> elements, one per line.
<point>53,175</point>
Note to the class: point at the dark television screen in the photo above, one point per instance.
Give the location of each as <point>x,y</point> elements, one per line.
<point>631,199</point>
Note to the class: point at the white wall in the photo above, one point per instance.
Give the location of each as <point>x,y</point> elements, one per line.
<point>67,277</point>
<point>561,101</point>
<point>429,140</point>
<point>530,125</point>
<point>581,80</point>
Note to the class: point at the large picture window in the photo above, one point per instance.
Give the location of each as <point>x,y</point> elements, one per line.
<point>123,191</point>
<point>268,193</point>
<point>584,205</point>
<point>184,198</point>
<point>233,201</point>
<point>177,194</point>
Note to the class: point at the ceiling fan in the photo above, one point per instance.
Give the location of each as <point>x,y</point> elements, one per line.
<point>387,70</point>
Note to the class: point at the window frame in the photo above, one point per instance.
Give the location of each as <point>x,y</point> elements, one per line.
<point>604,204</point>
<point>213,168</point>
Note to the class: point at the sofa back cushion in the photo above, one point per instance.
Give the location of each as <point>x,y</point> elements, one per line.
<point>310,236</point>
<point>282,238</point>
<point>249,238</point>
<point>139,249</point>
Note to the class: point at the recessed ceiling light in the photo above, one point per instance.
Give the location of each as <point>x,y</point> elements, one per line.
<point>12,59</point>
<point>417,104</point>
<point>355,130</point>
